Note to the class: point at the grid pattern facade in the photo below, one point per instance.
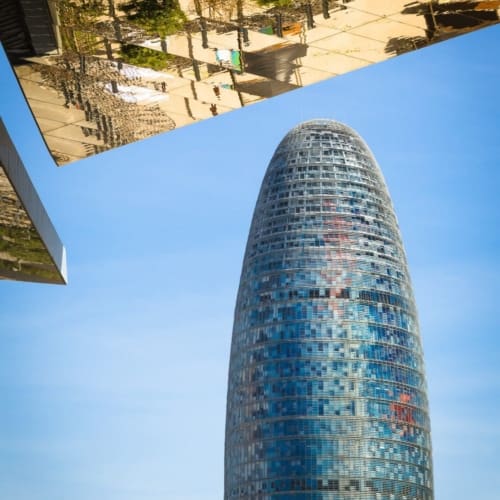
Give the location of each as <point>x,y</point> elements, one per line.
<point>327,394</point>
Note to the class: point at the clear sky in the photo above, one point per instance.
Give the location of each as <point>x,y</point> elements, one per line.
<point>113,387</point>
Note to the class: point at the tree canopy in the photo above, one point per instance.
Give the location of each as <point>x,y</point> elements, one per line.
<point>157,17</point>
<point>144,57</point>
<point>275,3</point>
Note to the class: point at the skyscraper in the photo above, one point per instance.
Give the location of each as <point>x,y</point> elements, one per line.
<point>327,393</point>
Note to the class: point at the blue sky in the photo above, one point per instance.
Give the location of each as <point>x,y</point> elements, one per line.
<point>114,386</point>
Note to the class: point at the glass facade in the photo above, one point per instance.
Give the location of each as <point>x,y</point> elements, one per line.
<point>327,393</point>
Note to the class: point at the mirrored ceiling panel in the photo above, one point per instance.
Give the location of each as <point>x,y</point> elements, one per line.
<point>30,249</point>
<point>103,73</point>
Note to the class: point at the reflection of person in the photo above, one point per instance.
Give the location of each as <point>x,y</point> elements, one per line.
<point>213,109</point>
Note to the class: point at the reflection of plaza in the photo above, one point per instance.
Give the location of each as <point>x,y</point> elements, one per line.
<point>104,78</point>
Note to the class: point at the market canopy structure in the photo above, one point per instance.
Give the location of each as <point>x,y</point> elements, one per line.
<point>99,74</point>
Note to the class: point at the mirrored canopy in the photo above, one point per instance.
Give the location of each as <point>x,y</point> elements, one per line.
<point>30,249</point>
<point>103,73</point>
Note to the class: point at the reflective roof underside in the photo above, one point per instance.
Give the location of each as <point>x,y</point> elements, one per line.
<point>103,73</point>
<point>30,249</point>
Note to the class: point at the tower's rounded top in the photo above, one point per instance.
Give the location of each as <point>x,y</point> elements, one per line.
<point>324,124</point>
<point>300,132</point>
